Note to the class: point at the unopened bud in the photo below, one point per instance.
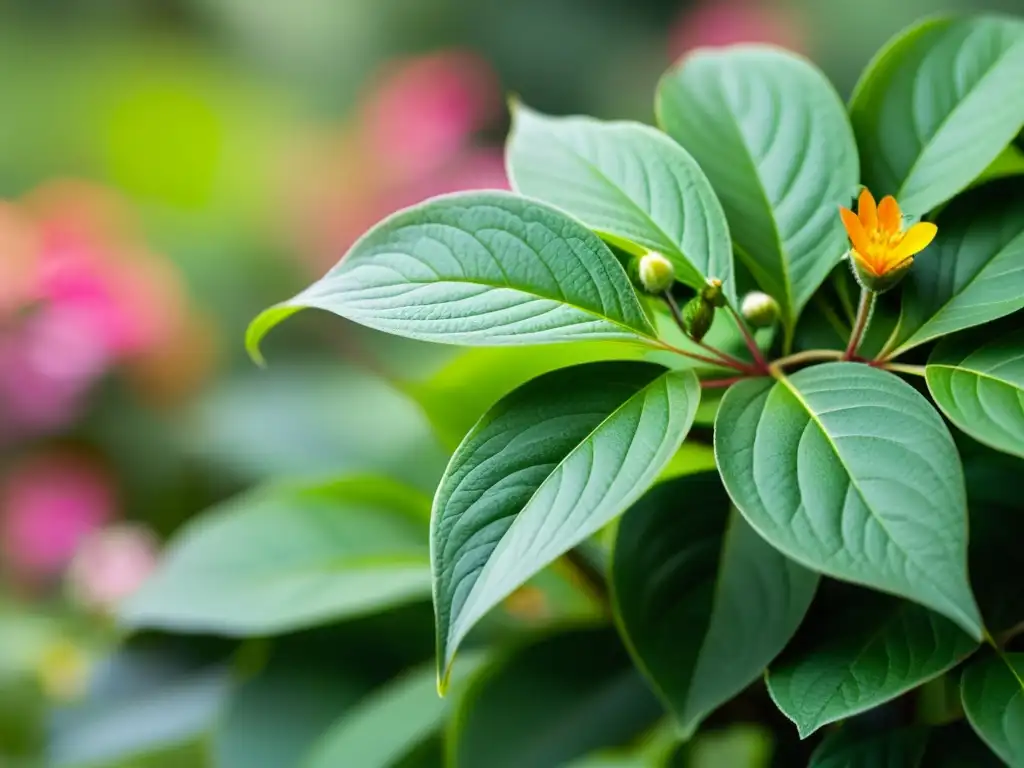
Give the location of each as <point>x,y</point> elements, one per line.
<point>655,272</point>
<point>713,292</point>
<point>879,283</point>
<point>698,314</point>
<point>759,309</point>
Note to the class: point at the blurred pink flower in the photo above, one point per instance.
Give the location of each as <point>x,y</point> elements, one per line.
<point>110,565</point>
<point>725,22</point>
<point>48,505</point>
<point>413,137</point>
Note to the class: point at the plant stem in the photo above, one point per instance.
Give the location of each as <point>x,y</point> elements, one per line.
<point>716,362</point>
<point>722,360</point>
<point>721,383</point>
<point>807,356</point>
<point>867,302</point>
<point>913,370</point>
<point>751,342</point>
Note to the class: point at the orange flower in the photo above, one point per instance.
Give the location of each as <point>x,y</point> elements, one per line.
<point>881,248</point>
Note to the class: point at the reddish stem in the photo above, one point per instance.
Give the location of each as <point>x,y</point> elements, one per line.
<point>721,383</point>
<point>751,343</point>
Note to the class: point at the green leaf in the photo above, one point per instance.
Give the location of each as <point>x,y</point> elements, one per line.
<point>848,470</point>
<point>861,655</point>
<point>763,124</point>
<point>852,748</point>
<point>971,274</point>
<point>550,702</point>
<point>544,469</point>
<point>390,723</point>
<point>631,184</point>
<point>981,388</point>
<point>1010,162</point>
<point>992,689</point>
<point>286,557</point>
<point>957,746</point>
<point>937,106</point>
<point>685,572</point>
<point>476,268</point>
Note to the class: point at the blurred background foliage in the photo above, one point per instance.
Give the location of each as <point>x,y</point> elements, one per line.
<point>167,169</point>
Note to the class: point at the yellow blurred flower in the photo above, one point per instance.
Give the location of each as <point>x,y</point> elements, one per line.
<point>63,670</point>
<point>882,251</point>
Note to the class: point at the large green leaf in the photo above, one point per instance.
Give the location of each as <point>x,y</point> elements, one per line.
<point>628,182</point>
<point>861,655</point>
<point>937,106</point>
<point>548,466</point>
<point>848,469</point>
<point>992,690</point>
<point>852,748</point>
<point>764,124</point>
<point>550,702</point>
<point>286,557</point>
<point>971,274</point>
<point>981,388</point>
<point>703,601</point>
<point>476,268</point>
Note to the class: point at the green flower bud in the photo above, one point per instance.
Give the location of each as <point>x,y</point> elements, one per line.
<point>880,283</point>
<point>655,272</point>
<point>759,309</point>
<point>713,292</point>
<point>698,314</point>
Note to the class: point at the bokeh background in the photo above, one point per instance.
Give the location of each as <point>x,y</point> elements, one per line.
<point>170,167</point>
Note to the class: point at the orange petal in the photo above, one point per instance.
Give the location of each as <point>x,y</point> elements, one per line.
<point>866,264</point>
<point>867,211</point>
<point>889,216</point>
<point>854,229</point>
<point>916,240</point>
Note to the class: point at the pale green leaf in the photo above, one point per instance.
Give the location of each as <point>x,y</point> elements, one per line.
<point>476,268</point>
<point>772,135</point>
<point>861,655</point>
<point>973,273</point>
<point>285,557</point>
<point>547,467</point>
<point>979,385</point>
<point>992,689</point>
<point>848,470</point>
<point>628,182</point>
<point>937,106</point>
<point>703,602</point>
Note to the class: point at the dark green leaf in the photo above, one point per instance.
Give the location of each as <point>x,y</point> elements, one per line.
<point>862,655</point>
<point>286,557</point>
<point>971,274</point>
<point>704,602</point>
<point>478,268</point>
<point>850,748</point>
<point>551,702</point>
<point>763,124</point>
<point>848,470</point>
<point>937,106</point>
<point>628,182</point>
<point>993,697</point>
<point>544,469</point>
<point>980,388</point>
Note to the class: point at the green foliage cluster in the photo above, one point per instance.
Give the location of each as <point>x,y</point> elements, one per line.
<point>824,546</point>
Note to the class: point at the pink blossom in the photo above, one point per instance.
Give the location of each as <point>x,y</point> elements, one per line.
<point>110,565</point>
<point>726,22</point>
<point>48,504</point>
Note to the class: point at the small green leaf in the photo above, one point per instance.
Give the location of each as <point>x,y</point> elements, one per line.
<point>862,655</point>
<point>763,124</point>
<point>476,268</point>
<point>287,557</point>
<point>852,748</point>
<point>981,388</point>
<point>628,182</point>
<point>551,702</point>
<point>685,572</point>
<point>848,470</point>
<point>547,467</point>
<point>937,106</point>
<point>992,689</point>
<point>971,274</point>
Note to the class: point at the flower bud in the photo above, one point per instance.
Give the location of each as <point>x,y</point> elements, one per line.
<point>698,315</point>
<point>713,292</point>
<point>759,309</point>
<point>655,272</point>
<point>869,281</point>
